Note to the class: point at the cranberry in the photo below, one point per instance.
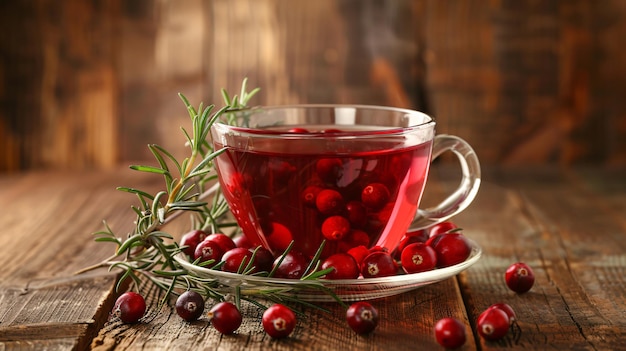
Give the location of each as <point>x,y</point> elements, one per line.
<point>335,227</point>
<point>242,241</point>
<point>493,324</point>
<point>208,250</point>
<point>450,333</point>
<point>378,264</point>
<point>290,265</point>
<point>329,202</point>
<point>358,238</point>
<point>279,237</point>
<point>278,321</point>
<point>345,266</point>
<point>441,228</point>
<point>507,309</point>
<point>329,169</point>
<point>406,241</point>
<point>191,239</point>
<point>451,248</point>
<point>263,259</point>
<point>298,130</point>
<point>281,170</point>
<point>362,317</point>
<point>129,307</point>
<point>190,305</point>
<point>225,317</point>
<point>357,213</point>
<point>519,277</point>
<point>359,253</point>
<point>309,194</point>
<point>224,241</point>
<point>418,257</point>
<point>375,196</point>
<point>235,259</point>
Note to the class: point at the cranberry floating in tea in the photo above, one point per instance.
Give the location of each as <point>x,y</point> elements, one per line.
<point>346,175</point>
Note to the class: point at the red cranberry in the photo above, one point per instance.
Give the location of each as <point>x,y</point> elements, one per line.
<point>441,228</point>
<point>129,307</point>
<point>378,264</point>
<point>406,241</point>
<point>362,317</point>
<point>208,250</point>
<point>507,309</point>
<point>451,248</point>
<point>225,317</point>
<point>281,170</point>
<point>235,259</point>
<point>345,267</point>
<point>335,227</point>
<point>242,241</point>
<point>357,213</point>
<point>190,305</point>
<point>278,321</point>
<point>329,202</point>
<point>309,194</point>
<point>450,333</point>
<point>263,259</point>
<point>358,238</point>
<point>421,234</point>
<point>224,241</point>
<point>359,253</point>
<point>191,239</point>
<point>418,257</point>
<point>329,169</point>
<point>279,237</point>
<point>375,196</point>
<point>493,324</point>
<point>292,266</point>
<point>519,277</point>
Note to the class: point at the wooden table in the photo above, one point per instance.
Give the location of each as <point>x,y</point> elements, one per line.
<point>569,225</point>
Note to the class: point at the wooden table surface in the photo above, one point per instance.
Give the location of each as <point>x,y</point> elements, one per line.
<point>568,225</point>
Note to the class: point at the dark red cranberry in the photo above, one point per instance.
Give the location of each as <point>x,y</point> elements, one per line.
<point>224,241</point>
<point>263,259</point>
<point>329,202</point>
<point>357,214</point>
<point>242,241</point>
<point>451,248</point>
<point>191,239</point>
<point>440,228</point>
<point>291,265</point>
<point>129,307</point>
<point>278,321</point>
<point>329,169</point>
<point>335,228</point>
<point>375,196</point>
<point>208,250</point>
<point>493,324</point>
<point>309,195</point>
<point>225,317</point>
<point>378,264</point>
<point>507,309</point>
<point>450,333</point>
<point>236,259</point>
<point>406,241</point>
<point>519,277</point>
<point>362,317</point>
<point>344,266</point>
<point>418,257</point>
<point>190,305</point>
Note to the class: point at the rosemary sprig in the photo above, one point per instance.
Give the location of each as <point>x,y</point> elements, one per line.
<point>148,252</point>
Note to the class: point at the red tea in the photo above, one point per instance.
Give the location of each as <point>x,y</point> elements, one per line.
<point>312,188</point>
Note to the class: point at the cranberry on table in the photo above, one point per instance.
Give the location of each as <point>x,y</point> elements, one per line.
<point>190,305</point>
<point>451,248</point>
<point>225,317</point>
<point>362,317</point>
<point>493,324</point>
<point>450,333</point>
<point>278,321</point>
<point>441,228</point>
<point>418,257</point>
<point>344,267</point>
<point>191,239</point>
<point>129,307</point>
<point>378,264</point>
<point>519,277</point>
<point>507,309</point>
<point>208,250</point>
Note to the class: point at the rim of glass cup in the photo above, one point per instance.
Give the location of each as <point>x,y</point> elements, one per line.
<point>423,120</point>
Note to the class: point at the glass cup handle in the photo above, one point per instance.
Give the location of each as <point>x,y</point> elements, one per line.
<point>467,189</point>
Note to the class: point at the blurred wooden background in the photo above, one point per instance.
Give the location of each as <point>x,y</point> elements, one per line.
<point>88,83</point>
